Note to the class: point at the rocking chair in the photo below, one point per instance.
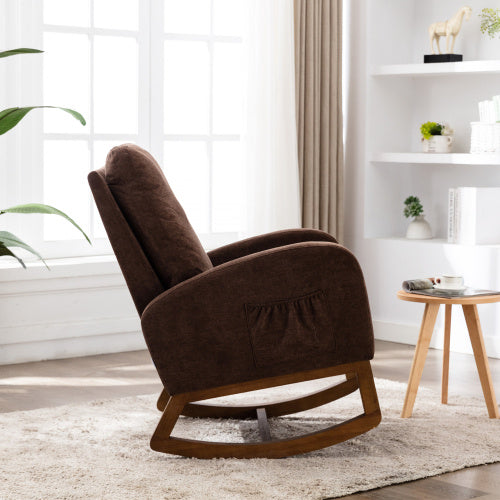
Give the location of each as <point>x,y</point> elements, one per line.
<point>276,309</point>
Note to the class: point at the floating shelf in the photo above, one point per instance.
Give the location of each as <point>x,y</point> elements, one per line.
<point>431,241</point>
<point>438,158</point>
<point>402,239</point>
<point>435,69</point>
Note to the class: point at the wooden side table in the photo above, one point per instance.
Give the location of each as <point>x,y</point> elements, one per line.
<point>469,306</point>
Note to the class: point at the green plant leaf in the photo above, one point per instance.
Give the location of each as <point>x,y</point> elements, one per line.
<point>5,251</point>
<point>38,208</point>
<point>10,240</point>
<point>428,129</point>
<point>413,207</point>
<point>10,117</point>
<point>490,21</point>
<point>15,52</point>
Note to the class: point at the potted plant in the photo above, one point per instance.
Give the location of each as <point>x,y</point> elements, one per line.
<point>436,137</point>
<point>419,228</point>
<point>9,118</point>
<point>490,21</point>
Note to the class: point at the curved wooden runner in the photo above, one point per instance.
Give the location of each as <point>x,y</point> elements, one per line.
<point>359,376</point>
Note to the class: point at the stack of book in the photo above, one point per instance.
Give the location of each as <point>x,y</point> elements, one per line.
<point>485,134</point>
<point>485,137</point>
<point>473,215</point>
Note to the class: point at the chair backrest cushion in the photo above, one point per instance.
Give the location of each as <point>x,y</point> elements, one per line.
<point>154,215</point>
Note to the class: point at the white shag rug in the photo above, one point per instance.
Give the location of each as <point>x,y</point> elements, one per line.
<point>100,450</point>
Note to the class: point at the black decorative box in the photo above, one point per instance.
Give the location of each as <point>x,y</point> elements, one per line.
<point>440,58</point>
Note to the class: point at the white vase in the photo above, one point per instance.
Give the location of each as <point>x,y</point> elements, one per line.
<point>437,144</point>
<point>419,229</point>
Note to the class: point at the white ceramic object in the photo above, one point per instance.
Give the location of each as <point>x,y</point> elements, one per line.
<point>450,282</point>
<point>449,28</point>
<point>444,287</point>
<point>437,144</point>
<point>419,229</point>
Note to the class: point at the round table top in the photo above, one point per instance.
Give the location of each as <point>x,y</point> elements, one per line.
<point>427,299</point>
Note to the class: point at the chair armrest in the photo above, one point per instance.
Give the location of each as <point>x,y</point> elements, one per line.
<point>266,241</point>
<point>298,307</point>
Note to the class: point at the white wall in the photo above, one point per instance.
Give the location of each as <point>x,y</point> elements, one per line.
<point>80,307</point>
<point>386,263</point>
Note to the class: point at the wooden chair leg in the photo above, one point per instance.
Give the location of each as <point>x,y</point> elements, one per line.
<point>162,400</point>
<point>477,341</point>
<point>417,367</point>
<point>367,389</point>
<point>446,354</point>
<point>167,422</point>
<point>164,442</point>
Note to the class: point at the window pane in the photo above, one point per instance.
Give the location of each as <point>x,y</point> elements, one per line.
<point>66,165</point>
<point>57,12</point>
<point>66,79</point>
<point>186,87</point>
<point>116,14</point>
<point>115,79</point>
<point>186,169</point>
<point>228,88</point>
<point>227,187</point>
<point>187,16</point>
<point>228,17</point>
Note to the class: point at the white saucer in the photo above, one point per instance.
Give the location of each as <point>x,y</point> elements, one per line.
<point>441,287</point>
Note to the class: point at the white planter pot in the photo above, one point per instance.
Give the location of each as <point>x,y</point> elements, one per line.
<point>419,229</point>
<point>437,144</point>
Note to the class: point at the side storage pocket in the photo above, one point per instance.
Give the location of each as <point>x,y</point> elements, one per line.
<point>289,329</point>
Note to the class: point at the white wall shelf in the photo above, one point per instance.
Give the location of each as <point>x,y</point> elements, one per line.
<point>402,239</point>
<point>431,241</point>
<point>437,158</point>
<point>393,93</point>
<point>436,69</point>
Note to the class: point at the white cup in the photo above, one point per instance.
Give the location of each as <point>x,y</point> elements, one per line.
<point>450,281</point>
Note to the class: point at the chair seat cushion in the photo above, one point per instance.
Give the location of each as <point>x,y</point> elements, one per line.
<point>157,220</point>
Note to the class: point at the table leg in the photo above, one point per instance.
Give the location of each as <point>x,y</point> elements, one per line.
<point>477,341</point>
<point>417,367</point>
<point>446,354</point>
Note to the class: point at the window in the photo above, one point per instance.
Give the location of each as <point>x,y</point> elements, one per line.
<point>164,74</point>
<point>202,106</point>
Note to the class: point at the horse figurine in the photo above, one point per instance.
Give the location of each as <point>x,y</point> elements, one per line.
<point>448,28</point>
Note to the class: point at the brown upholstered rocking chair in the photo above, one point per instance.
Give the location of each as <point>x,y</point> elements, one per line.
<point>276,309</point>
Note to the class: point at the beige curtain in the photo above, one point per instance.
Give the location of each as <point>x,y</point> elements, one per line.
<point>318,96</point>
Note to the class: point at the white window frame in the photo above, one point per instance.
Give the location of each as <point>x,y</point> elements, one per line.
<point>25,183</point>
<point>158,137</point>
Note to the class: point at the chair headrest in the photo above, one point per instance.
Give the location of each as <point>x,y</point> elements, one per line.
<point>155,216</point>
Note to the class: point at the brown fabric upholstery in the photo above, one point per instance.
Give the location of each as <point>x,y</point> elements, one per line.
<point>276,304</point>
<point>154,215</point>
<point>265,242</point>
<point>209,314</point>
<point>141,279</point>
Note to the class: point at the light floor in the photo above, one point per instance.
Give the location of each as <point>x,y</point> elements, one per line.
<point>51,383</point>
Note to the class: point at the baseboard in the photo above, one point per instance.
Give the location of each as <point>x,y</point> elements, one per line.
<point>408,334</point>
<point>71,347</point>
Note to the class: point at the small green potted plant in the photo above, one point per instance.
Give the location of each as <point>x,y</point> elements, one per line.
<point>436,137</point>
<point>419,228</point>
<point>490,21</point>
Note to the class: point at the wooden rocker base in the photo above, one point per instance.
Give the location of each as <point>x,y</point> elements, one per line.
<point>358,376</point>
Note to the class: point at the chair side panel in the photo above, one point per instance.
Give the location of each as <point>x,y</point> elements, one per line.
<point>142,281</point>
